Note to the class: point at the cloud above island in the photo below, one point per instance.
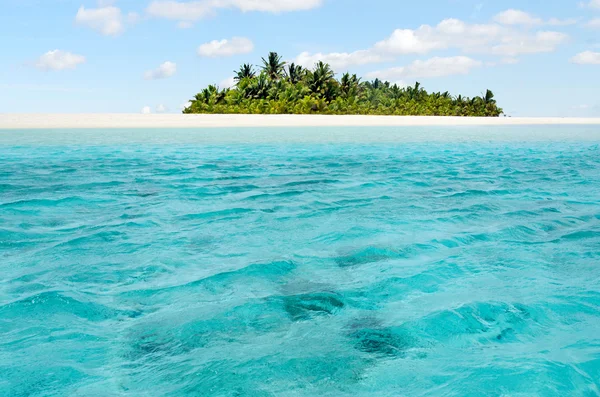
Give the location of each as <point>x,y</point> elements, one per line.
<point>165,70</point>
<point>587,58</point>
<point>593,24</point>
<point>107,20</point>
<point>494,39</point>
<point>226,47</point>
<point>59,60</point>
<point>517,17</point>
<point>341,60</point>
<point>434,67</point>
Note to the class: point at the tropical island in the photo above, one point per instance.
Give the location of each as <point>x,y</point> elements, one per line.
<point>279,88</point>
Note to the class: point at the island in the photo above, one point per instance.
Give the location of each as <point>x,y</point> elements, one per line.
<point>281,88</point>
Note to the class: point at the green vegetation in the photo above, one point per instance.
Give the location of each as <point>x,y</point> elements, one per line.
<point>278,88</point>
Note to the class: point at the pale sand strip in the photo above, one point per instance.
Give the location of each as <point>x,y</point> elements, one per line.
<point>35,121</point>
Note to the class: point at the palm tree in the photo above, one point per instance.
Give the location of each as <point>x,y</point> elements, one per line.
<point>245,72</point>
<point>294,73</point>
<point>260,87</point>
<point>376,84</point>
<point>396,92</point>
<point>349,85</point>
<point>273,65</point>
<point>488,97</point>
<point>320,75</point>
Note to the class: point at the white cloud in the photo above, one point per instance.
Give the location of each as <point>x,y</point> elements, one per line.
<point>59,60</point>
<point>227,83</point>
<point>487,38</point>
<point>508,41</point>
<point>540,42</point>
<point>106,20</point>
<point>594,23</point>
<point>186,105</point>
<point>166,69</point>
<point>434,67</point>
<point>340,60</point>
<point>406,41</point>
<point>592,4</point>
<point>516,17</point>
<point>146,110</point>
<point>226,48</point>
<point>562,22</point>
<point>509,61</point>
<point>194,10</point>
<point>272,5</point>
<point>587,58</point>
<point>161,109</point>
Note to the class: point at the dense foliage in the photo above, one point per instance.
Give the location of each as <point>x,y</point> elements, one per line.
<point>279,88</point>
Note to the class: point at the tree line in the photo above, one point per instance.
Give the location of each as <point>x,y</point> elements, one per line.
<point>280,88</point>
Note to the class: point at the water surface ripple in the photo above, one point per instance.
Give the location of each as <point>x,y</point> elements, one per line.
<point>300,270</point>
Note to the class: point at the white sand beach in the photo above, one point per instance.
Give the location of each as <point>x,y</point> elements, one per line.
<point>45,121</point>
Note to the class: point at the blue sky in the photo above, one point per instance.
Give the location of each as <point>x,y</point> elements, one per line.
<point>540,57</point>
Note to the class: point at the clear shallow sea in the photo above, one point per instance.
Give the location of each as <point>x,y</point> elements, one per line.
<point>420,267</point>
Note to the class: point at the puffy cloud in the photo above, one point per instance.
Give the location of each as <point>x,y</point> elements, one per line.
<point>487,38</point>
<point>161,109</point>
<point>146,110</point>
<point>434,67</point>
<point>449,33</point>
<point>226,48</point>
<point>59,60</point>
<point>340,60</point>
<point>194,10</point>
<point>166,69</point>
<point>107,20</point>
<point>516,17</point>
<point>185,105</point>
<point>587,58</point>
<point>180,11</point>
<point>508,41</point>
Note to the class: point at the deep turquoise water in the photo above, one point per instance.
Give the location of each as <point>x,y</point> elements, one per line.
<point>407,269</point>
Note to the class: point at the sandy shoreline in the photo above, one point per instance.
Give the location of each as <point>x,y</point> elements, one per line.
<point>45,121</point>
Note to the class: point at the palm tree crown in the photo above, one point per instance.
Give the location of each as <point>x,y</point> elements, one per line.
<point>273,66</point>
<point>294,73</point>
<point>245,72</point>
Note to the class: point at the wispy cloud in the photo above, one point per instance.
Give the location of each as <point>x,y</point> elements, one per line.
<point>192,11</point>
<point>226,47</point>
<point>587,58</point>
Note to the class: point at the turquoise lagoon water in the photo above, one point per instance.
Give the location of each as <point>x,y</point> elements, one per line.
<point>168,263</point>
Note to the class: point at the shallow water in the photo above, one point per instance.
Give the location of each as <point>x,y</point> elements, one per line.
<point>431,269</point>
